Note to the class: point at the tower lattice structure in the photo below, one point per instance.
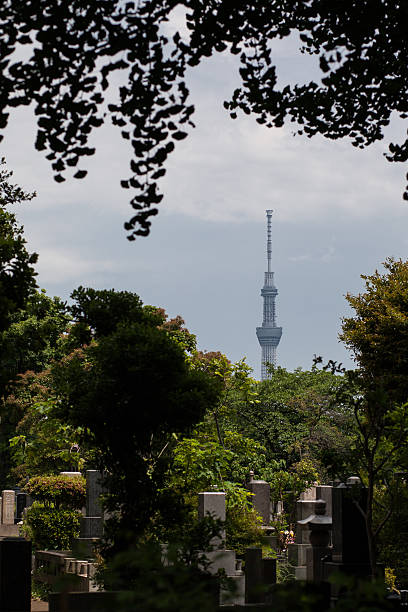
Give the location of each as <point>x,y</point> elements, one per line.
<point>269,334</point>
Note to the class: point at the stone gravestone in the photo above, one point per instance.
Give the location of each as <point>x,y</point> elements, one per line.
<point>23,500</point>
<point>212,503</point>
<point>94,490</point>
<point>350,553</point>
<point>261,500</point>
<point>325,492</point>
<point>253,576</point>
<point>319,525</point>
<point>350,544</point>
<point>260,575</point>
<point>297,551</point>
<point>92,522</point>
<point>91,527</point>
<point>309,494</point>
<point>7,510</point>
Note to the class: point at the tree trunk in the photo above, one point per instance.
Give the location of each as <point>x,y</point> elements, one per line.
<point>372,547</point>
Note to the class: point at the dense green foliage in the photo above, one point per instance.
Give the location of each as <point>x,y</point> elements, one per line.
<point>34,338</point>
<point>297,416</point>
<point>377,334</point>
<point>58,491</point>
<point>117,386</point>
<point>177,579</point>
<point>17,274</point>
<point>129,391</point>
<point>54,518</point>
<point>51,528</point>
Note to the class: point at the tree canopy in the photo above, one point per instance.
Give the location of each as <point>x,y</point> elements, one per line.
<point>17,273</point>
<point>64,58</point>
<point>130,387</point>
<point>377,334</point>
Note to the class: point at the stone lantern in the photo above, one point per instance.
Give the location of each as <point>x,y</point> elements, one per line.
<point>319,525</point>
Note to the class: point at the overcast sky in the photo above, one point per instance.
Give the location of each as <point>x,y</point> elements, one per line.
<point>338,214</point>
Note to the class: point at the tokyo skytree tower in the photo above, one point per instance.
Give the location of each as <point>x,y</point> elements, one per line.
<point>269,334</point>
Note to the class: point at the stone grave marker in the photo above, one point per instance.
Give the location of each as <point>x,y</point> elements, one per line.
<point>319,525</point>
<point>261,500</point>
<point>253,576</point>
<point>91,527</point>
<point>212,503</point>
<point>350,553</point>
<point>7,507</point>
<point>23,500</point>
<point>350,544</point>
<point>94,490</point>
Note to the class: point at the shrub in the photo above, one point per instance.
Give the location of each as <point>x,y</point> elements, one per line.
<point>51,528</point>
<point>58,491</point>
<point>243,529</point>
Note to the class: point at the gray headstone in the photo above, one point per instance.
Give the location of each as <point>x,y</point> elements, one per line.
<point>254,576</point>
<point>212,503</point>
<point>94,490</point>
<point>350,544</point>
<point>7,503</point>
<point>325,492</point>
<point>309,494</point>
<point>91,527</point>
<point>304,508</point>
<point>261,500</point>
<point>23,500</point>
<point>269,578</point>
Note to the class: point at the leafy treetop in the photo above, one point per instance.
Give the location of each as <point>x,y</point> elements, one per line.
<point>378,332</point>
<point>17,273</point>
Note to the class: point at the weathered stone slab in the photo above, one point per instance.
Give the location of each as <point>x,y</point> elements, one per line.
<point>237,596</point>
<point>222,559</point>
<point>91,527</point>
<point>7,503</point>
<point>212,503</point>
<point>253,576</point>
<point>261,500</point>
<point>350,544</point>
<point>309,494</point>
<point>297,554</point>
<point>325,492</point>
<point>94,490</point>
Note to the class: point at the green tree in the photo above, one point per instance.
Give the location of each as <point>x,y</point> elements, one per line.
<point>41,444</point>
<point>377,335</point>
<point>32,340</point>
<point>297,416</point>
<point>34,337</point>
<point>17,273</point>
<point>76,50</point>
<point>130,389</point>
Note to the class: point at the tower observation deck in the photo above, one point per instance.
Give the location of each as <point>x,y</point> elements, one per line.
<point>269,334</point>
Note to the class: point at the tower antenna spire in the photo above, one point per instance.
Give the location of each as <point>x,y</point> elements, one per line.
<point>269,334</point>
<point>269,241</point>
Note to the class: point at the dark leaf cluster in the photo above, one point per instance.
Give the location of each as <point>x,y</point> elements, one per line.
<point>66,59</point>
